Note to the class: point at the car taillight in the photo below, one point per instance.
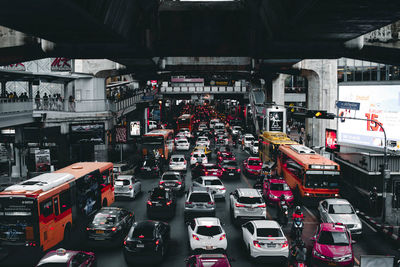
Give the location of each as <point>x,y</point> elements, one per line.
<point>195,237</point>
<point>169,202</point>
<point>205,173</point>
<point>188,203</point>
<point>88,229</point>
<point>222,188</point>
<point>161,182</point>
<point>210,203</point>
<point>238,170</point>
<point>261,206</point>
<point>239,205</point>
<point>157,242</point>
<point>256,244</point>
<point>179,182</point>
<point>149,203</point>
<point>114,229</point>
<point>130,187</point>
<point>222,237</point>
<point>300,264</point>
<point>141,236</point>
<point>284,245</point>
<point>125,242</point>
<point>223,169</point>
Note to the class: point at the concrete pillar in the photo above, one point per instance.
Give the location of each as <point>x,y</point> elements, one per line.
<point>19,170</point>
<point>30,91</point>
<point>66,95</point>
<point>3,88</point>
<point>278,89</point>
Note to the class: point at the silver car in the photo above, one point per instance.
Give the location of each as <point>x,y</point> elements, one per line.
<point>212,182</point>
<point>199,203</point>
<point>127,186</point>
<point>247,203</point>
<point>178,163</point>
<point>334,210</point>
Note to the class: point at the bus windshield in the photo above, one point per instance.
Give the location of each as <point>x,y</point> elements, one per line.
<point>153,140</point>
<point>322,181</point>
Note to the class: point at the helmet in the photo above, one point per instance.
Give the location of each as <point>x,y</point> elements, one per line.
<point>374,188</point>
<point>298,210</point>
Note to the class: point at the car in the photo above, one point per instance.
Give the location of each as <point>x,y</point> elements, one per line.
<point>180,135</point>
<point>213,122</point>
<point>334,210</point>
<point>224,155</point>
<point>203,141</point>
<point>246,141</point>
<point>247,203</point>
<point>202,126</point>
<point>264,239</point>
<point>120,168</point>
<point>109,226</point>
<point>211,169</point>
<point>205,260</point>
<point>199,203</point>
<point>206,234</point>
<point>213,183</point>
<point>147,241</point>
<point>161,203</point>
<point>186,131</point>
<point>172,180</point>
<point>178,163</point>
<point>236,130</point>
<point>252,167</point>
<point>182,144</point>
<point>198,157</point>
<point>254,147</point>
<point>219,126</point>
<point>203,149</point>
<point>150,168</point>
<point>63,257</point>
<point>332,246</point>
<point>127,186</point>
<point>230,169</point>
<point>153,125</point>
<point>274,188</point>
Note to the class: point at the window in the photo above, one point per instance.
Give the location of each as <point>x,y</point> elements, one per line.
<point>193,224</point>
<point>199,197</point>
<point>269,232</point>
<point>333,238</point>
<point>250,227</point>
<point>250,200</point>
<point>46,207</point>
<point>56,209</point>
<point>65,201</point>
<point>209,230</point>
<point>340,209</point>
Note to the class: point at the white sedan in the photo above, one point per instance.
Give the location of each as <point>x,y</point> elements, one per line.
<point>203,140</point>
<point>182,144</point>
<point>212,182</point>
<point>254,147</point>
<point>206,233</point>
<point>264,238</point>
<point>178,163</point>
<point>198,156</point>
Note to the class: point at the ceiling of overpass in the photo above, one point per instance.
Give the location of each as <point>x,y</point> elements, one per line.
<point>133,32</point>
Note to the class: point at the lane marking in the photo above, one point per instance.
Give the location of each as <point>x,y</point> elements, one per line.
<point>357,261</point>
<point>311,213</point>
<point>369,226</point>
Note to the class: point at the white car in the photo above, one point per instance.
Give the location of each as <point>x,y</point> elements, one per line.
<point>335,210</point>
<point>247,203</point>
<point>213,183</point>
<point>202,127</point>
<point>264,238</point>
<point>219,126</point>
<point>203,140</point>
<point>127,186</point>
<point>182,144</point>
<point>198,156</point>
<point>254,147</point>
<point>186,132</point>
<point>177,163</point>
<point>247,139</point>
<point>180,135</point>
<point>236,130</point>
<point>206,233</point>
<point>213,122</point>
<point>152,125</point>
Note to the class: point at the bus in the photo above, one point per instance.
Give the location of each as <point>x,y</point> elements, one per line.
<point>309,175</point>
<point>185,121</point>
<point>158,142</point>
<point>268,144</point>
<point>39,213</point>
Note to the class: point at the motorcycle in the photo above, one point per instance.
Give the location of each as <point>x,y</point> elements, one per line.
<point>297,228</point>
<point>300,257</point>
<point>283,212</point>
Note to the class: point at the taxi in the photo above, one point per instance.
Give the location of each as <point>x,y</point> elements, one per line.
<point>203,149</point>
<point>252,167</point>
<point>63,257</point>
<point>274,188</point>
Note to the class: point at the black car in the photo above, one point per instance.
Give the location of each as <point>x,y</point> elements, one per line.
<point>147,241</point>
<point>150,168</point>
<point>197,170</point>
<point>230,169</point>
<point>161,203</point>
<point>109,225</point>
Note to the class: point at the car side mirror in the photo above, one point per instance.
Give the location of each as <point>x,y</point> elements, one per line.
<point>353,241</point>
<point>357,211</point>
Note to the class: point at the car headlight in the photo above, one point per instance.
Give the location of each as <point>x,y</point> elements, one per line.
<point>319,255</point>
<point>345,258</point>
<point>272,196</point>
<point>288,197</point>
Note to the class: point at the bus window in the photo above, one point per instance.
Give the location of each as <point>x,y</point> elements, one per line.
<point>65,201</point>
<point>56,208</point>
<point>46,208</point>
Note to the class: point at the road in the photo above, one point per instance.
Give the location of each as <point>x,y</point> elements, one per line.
<point>370,243</point>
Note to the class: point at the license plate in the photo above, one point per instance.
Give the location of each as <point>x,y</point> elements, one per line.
<point>99,232</point>
<point>158,204</point>
<point>169,184</point>
<point>209,247</point>
<point>231,174</point>
<point>140,245</point>
<point>271,245</point>
<point>214,173</point>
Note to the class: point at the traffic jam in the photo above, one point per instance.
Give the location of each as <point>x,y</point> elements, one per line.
<point>207,193</point>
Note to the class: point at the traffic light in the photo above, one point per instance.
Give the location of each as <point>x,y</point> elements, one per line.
<point>319,114</point>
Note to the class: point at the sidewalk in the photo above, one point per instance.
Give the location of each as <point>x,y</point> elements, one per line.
<point>388,231</point>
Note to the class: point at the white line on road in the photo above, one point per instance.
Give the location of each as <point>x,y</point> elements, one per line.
<point>369,226</point>
<point>311,213</point>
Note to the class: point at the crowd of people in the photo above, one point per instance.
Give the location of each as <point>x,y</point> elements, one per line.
<point>14,97</point>
<point>122,93</point>
<point>49,102</point>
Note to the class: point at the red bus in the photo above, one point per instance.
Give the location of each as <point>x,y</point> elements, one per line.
<point>40,212</point>
<point>185,121</point>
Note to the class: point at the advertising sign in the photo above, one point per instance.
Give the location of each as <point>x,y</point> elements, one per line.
<point>276,120</point>
<point>331,144</point>
<point>61,64</point>
<point>42,160</point>
<point>134,128</point>
<point>379,103</point>
<point>120,134</point>
<point>16,66</point>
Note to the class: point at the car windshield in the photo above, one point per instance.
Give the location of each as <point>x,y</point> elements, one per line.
<point>333,238</point>
<point>322,181</point>
<point>199,197</point>
<point>230,164</point>
<point>182,142</point>
<point>250,200</point>
<point>177,159</point>
<point>211,230</point>
<point>249,138</point>
<point>212,182</point>
<point>142,232</point>
<point>340,209</point>
<point>255,163</point>
<point>269,232</point>
<point>170,177</point>
<point>210,167</point>
<point>255,143</point>
<point>122,182</point>
<point>102,218</point>
<point>237,128</point>
<point>279,187</point>
<point>157,194</point>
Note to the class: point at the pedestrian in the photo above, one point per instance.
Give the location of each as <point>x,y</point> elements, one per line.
<point>71,101</point>
<point>300,140</point>
<point>46,101</point>
<point>37,100</point>
<point>59,102</point>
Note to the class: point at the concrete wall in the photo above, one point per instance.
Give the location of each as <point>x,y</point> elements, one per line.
<point>93,66</point>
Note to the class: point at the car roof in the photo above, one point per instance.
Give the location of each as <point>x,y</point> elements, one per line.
<point>333,227</point>
<point>178,156</point>
<point>210,177</point>
<point>171,172</point>
<point>248,192</point>
<point>331,201</point>
<point>254,158</point>
<point>209,164</point>
<point>248,135</point>
<point>265,224</point>
<point>124,177</point>
<point>55,256</point>
<point>203,221</point>
<point>195,189</point>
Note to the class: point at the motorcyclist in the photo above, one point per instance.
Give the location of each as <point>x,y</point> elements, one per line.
<point>373,196</point>
<point>297,213</point>
<point>283,213</point>
<point>297,252</point>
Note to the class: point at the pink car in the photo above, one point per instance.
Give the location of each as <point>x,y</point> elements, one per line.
<point>252,166</point>
<point>208,260</point>
<point>63,257</point>
<point>332,246</point>
<point>274,188</point>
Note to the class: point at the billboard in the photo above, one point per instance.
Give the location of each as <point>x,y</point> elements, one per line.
<point>331,144</point>
<point>378,102</point>
<point>134,128</point>
<point>42,160</point>
<point>276,119</point>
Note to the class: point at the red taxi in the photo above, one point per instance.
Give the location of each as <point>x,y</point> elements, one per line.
<point>225,155</point>
<point>274,188</point>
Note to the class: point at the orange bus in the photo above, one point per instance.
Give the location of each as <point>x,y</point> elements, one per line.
<point>309,175</point>
<point>185,121</point>
<point>40,212</point>
<point>158,142</point>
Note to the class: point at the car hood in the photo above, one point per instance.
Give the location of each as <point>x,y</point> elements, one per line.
<point>332,251</point>
<point>279,193</point>
<point>254,168</point>
<point>345,218</point>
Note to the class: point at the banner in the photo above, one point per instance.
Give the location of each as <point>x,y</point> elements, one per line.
<point>134,128</point>
<point>42,160</point>
<point>120,134</point>
<point>16,66</point>
<point>331,140</point>
<point>61,64</point>
<point>276,119</point>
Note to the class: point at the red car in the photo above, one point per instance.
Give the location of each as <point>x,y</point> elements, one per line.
<point>208,260</point>
<point>332,246</point>
<point>252,167</point>
<point>224,155</point>
<point>274,188</point>
<point>211,169</point>
<point>63,257</point>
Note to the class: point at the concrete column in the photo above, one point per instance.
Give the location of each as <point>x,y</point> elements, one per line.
<point>278,89</point>
<point>65,97</point>
<point>30,91</point>
<point>3,88</point>
<point>19,170</point>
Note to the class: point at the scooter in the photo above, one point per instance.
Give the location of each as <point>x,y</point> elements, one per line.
<point>284,213</point>
<point>300,259</point>
<point>297,228</point>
